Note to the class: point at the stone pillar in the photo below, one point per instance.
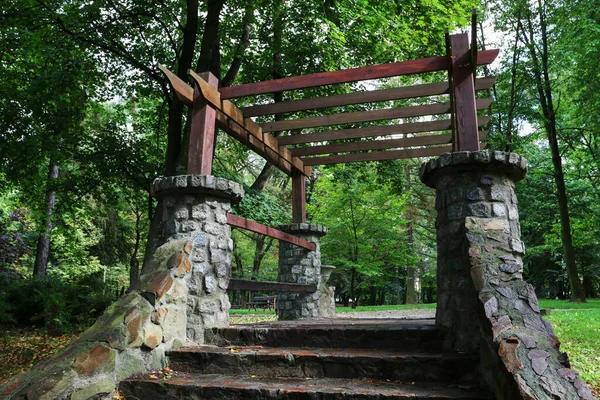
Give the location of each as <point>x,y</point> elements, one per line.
<point>194,208</point>
<point>483,303</point>
<point>298,265</point>
<point>470,184</point>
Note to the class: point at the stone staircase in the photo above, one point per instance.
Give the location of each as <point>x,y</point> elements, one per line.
<point>345,359</point>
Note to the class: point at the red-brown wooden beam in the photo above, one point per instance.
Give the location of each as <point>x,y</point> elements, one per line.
<point>379,155</point>
<point>366,116</point>
<point>372,96</point>
<point>423,65</point>
<point>202,130</point>
<point>253,226</point>
<point>467,134</point>
<point>298,197</point>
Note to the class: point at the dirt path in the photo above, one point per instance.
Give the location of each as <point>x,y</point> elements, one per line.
<point>418,313</point>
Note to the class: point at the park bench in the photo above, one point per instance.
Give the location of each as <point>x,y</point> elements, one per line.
<point>265,302</point>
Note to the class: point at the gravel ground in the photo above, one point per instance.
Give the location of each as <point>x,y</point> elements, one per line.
<point>418,313</point>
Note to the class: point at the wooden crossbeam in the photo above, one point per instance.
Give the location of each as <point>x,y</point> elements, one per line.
<point>371,131</point>
<point>374,96</point>
<point>263,286</point>
<point>232,120</point>
<point>253,226</point>
<point>379,155</point>
<point>425,140</point>
<point>366,116</point>
<point>411,67</point>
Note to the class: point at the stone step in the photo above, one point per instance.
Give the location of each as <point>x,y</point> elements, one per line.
<point>366,334</point>
<point>222,387</point>
<point>293,362</point>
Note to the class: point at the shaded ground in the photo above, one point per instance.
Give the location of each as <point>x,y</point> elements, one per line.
<point>21,349</point>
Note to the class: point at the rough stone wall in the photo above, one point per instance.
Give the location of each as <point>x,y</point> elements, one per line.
<point>298,265</point>
<point>181,291</point>
<point>483,303</point>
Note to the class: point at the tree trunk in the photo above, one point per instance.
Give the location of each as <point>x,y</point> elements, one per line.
<point>43,246</point>
<point>134,263</point>
<point>544,87</point>
<point>411,294</point>
<point>352,283</point>
<point>268,169</point>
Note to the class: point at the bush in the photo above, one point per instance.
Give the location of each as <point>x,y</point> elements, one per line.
<point>60,306</point>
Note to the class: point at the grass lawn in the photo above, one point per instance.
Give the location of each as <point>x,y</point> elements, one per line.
<point>579,333</point>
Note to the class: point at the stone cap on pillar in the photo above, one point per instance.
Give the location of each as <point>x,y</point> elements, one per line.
<point>304,229</point>
<point>511,164</point>
<point>197,184</point>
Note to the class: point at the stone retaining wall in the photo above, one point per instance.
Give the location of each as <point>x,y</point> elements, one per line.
<point>181,291</point>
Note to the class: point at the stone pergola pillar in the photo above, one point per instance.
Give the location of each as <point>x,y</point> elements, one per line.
<point>483,303</point>
<point>470,184</point>
<point>193,208</point>
<point>298,265</point>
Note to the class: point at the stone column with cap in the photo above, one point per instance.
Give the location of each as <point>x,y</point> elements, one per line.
<point>298,265</point>
<point>483,304</point>
<point>193,208</point>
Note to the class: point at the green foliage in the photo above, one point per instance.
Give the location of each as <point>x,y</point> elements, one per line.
<point>60,305</point>
<point>366,239</point>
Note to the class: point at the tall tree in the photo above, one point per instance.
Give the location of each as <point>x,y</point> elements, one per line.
<point>530,20</point>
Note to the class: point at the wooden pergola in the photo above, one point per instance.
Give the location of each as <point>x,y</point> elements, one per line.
<point>443,127</point>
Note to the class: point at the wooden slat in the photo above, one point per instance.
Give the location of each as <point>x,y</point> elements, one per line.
<point>374,96</point>
<point>253,226</point>
<point>298,197</point>
<point>366,116</point>
<point>424,140</point>
<point>430,64</point>
<point>356,133</point>
<point>379,155</point>
<point>373,145</point>
<point>182,90</point>
<point>464,94</point>
<point>263,286</point>
<point>202,129</point>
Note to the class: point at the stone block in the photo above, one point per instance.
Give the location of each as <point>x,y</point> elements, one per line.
<point>102,387</point>
<point>499,209</point>
<point>51,385</point>
<point>539,361</point>
<point>214,228</point>
<point>480,209</point>
<point>476,194</point>
<point>499,193</point>
<point>158,316</point>
<point>159,287</point>
<point>508,353</point>
<point>130,362</point>
<point>97,359</point>
<point>174,324</point>
<point>210,283</point>
<point>152,335</point>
